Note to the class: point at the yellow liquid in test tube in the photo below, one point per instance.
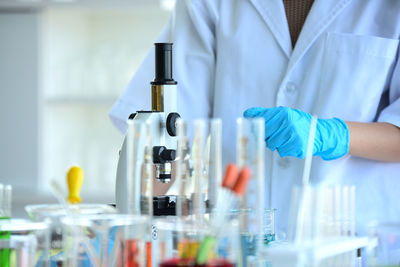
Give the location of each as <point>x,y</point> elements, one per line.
<point>188,249</point>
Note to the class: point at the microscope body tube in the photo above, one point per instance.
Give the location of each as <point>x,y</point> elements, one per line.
<point>163,100</point>
<point>162,119</point>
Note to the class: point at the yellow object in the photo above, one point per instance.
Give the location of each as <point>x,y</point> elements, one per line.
<point>74,181</point>
<point>188,249</point>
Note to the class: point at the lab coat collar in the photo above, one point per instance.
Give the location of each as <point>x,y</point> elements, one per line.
<point>273,13</point>
<point>321,15</point>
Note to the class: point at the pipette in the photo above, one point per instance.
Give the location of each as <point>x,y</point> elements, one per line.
<point>74,181</point>
<point>305,182</point>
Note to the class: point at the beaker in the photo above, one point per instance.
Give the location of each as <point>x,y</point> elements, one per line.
<point>53,214</point>
<point>251,239</point>
<point>23,243</point>
<point>180,242</point>
<point>105,240</point>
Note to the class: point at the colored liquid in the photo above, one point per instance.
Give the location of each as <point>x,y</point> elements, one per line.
<point>220,263</point>
<point>5,252</point>
<point>269,238</point>
<point>192,263</point>
<point>249,245</point>
<point>188,249</point>
<point>148,254</point>
<point>131,253</point>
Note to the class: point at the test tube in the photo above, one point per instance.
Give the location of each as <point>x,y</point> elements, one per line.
<point>215,162</point>
<point>250,152</point>
<point>5,214</point>
<point>132,184</point>
<point>148,174</point>
<point>148,178</point>
<point>5,201</point>
<point>182,169</point>
<point>199,179</point>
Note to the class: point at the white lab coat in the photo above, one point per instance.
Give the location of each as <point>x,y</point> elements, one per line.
<point>230,55</point>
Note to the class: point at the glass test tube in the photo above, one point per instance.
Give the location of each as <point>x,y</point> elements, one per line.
<point>207,159</point>
<point>183,169</point>
<point>198,164</point>
<point>5,214</point>
<point>214,162</point>
<point>133,181</point>
<point>139,173</point>
<point>250,152</point>
<point>147,190</point>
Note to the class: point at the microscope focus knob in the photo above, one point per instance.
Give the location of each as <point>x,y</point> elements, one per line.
<point>168,154</point>
<point>162,155</point>
<point>172,118</point>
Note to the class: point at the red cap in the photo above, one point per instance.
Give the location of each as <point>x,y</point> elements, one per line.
<point>241,183</point>
<point>231,175</point>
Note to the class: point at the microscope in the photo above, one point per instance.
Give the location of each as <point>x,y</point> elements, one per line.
<point>161,120</point>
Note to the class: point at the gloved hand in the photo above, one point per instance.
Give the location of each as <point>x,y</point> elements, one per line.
<point>286,130</point>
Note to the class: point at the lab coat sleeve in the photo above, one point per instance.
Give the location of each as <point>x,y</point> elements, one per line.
<point>192,30</point>
<point>391,113</point>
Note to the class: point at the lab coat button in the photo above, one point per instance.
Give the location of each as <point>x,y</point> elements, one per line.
<point>284,162</point>
<point>290,87</point>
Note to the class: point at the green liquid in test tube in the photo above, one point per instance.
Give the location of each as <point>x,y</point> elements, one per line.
<point>5,214</point>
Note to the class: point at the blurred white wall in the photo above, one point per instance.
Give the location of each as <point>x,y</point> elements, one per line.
<point>19,113</point>
<point>61,69</point>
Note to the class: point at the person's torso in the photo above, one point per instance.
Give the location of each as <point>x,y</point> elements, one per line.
<point>340,67</point>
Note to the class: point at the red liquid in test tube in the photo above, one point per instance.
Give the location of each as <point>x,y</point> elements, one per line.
<point>131,253</point>
<point>191,263</point>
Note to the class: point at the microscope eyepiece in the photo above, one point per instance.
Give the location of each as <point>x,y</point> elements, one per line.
<point>163,64</point>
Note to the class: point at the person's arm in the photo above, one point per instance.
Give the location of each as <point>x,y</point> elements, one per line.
<point>286,130</point>
<point>377,141</point>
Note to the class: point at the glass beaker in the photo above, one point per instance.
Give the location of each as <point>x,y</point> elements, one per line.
<point>105,240</point>
<point>24,243</point>
<point>251,239</point>
<point>53,214</point>
<point>180,242</point>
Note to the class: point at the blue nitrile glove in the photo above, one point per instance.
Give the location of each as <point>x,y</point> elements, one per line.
<point>286,130</point>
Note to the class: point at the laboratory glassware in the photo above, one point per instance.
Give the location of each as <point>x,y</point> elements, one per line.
<point>5,214</point>
<point>198,167</point>
<point>105,240</point>
<point>53,214</point>
<point>250,147</point>
<point>178,243</point>
<point>327,231</point>
<point>27,243</point>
